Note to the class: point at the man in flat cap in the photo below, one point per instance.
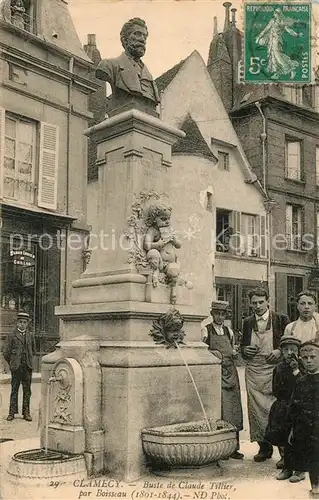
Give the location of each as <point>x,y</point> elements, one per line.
<point>127,74</point>
<point>221,342</point>
<point>19,350</point>
<point>304,417</point>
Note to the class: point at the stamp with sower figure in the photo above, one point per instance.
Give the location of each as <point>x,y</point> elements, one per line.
<point>277,40</point>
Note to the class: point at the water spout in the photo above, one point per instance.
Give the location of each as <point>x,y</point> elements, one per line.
<point>47,415</point>
<point>195,387</point>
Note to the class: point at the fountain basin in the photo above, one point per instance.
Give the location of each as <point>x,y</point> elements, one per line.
<point>189,444</point>
<point>36,467</point>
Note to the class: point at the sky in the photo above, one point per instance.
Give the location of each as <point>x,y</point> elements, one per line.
<point>176,27</point>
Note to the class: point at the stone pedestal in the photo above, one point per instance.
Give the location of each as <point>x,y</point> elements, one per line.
<point>137,383</point>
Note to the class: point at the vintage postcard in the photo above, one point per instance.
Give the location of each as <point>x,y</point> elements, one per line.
<point>159,185</point>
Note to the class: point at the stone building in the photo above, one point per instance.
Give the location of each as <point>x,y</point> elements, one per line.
<point>278,126</point>
<point>45,84</point>
<point>213,190</point>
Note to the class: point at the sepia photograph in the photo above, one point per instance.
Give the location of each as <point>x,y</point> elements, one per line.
<point>159,189</point>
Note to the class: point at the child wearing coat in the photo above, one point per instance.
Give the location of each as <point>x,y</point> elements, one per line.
<point>304,417</point>
<point>285,376</point>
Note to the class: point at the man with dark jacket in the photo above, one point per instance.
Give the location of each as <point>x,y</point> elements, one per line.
<point>262,332</point>
<point>19,350</point>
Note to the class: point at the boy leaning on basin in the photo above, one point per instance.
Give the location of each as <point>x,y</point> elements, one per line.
<point>221,342</point>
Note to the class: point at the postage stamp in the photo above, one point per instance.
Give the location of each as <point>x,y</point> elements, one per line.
<point>277,39</point>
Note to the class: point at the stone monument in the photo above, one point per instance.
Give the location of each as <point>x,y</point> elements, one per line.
<point>129,382</point>
<point>132,84</point>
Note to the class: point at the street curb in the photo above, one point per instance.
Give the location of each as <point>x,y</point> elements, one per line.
<point>5,378</point>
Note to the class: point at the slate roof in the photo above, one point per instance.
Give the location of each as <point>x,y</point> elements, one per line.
<point>252,93</point>
<point>165,79</point>
<point>193,143</point>
<point>218,50</point>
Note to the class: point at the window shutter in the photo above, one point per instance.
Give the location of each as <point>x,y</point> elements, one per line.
<point>289,225</point>
<point>236,241</point>
<point>262,236</point>
<point>48,166</point>
<point>302,227</point>
<point>281,292</point>
<point>2,130</point>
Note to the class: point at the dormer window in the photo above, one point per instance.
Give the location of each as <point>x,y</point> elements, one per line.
<point>23,14</point>
<point>223,160</point>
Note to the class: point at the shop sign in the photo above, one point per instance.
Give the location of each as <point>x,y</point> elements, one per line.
<point>22,257</point>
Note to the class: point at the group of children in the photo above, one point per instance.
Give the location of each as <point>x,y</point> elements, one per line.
<point>293,423</point>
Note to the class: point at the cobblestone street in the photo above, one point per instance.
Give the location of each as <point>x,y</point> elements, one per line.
<point>19,428</point>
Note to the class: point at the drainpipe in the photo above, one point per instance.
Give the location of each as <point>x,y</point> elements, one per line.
<point>263,137</point>
<point>269,204</point>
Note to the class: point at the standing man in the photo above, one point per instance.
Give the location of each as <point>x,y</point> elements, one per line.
<point>262,332</point>
<point>220,341</point>
<point>307,325</point>
<point>19,350</point>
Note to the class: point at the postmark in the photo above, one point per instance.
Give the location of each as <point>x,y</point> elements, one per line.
<point>277,42</point>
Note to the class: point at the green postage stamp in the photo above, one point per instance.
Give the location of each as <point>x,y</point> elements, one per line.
<point>277,42</point>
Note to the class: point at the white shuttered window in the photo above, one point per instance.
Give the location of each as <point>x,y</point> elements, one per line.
<point>48,167</point>
<point>28,161</point>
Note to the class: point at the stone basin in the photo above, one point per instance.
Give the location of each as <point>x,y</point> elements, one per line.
<point>39,468</point>
<point>189,444</point>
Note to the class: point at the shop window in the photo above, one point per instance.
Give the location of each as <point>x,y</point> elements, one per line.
<point>18,274</point>
<point>294,286</point>
<point>30,161</point>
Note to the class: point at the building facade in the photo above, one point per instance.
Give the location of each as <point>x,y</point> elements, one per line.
<point>278,126</point>
<point>211,174</point>
<point>45,84</point>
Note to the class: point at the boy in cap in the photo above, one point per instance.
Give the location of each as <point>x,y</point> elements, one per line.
<point>19,350</point>
<point>304,417</point>
<point>285,375</point>
<point>220,341</point>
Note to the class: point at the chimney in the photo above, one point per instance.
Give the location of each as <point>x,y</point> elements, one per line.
<point>227,6</point>
<point>215,32</point>
<point>92,39</point>
<point>233,18</point>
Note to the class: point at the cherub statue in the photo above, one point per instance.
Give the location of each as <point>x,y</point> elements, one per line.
<point>159,243</point>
